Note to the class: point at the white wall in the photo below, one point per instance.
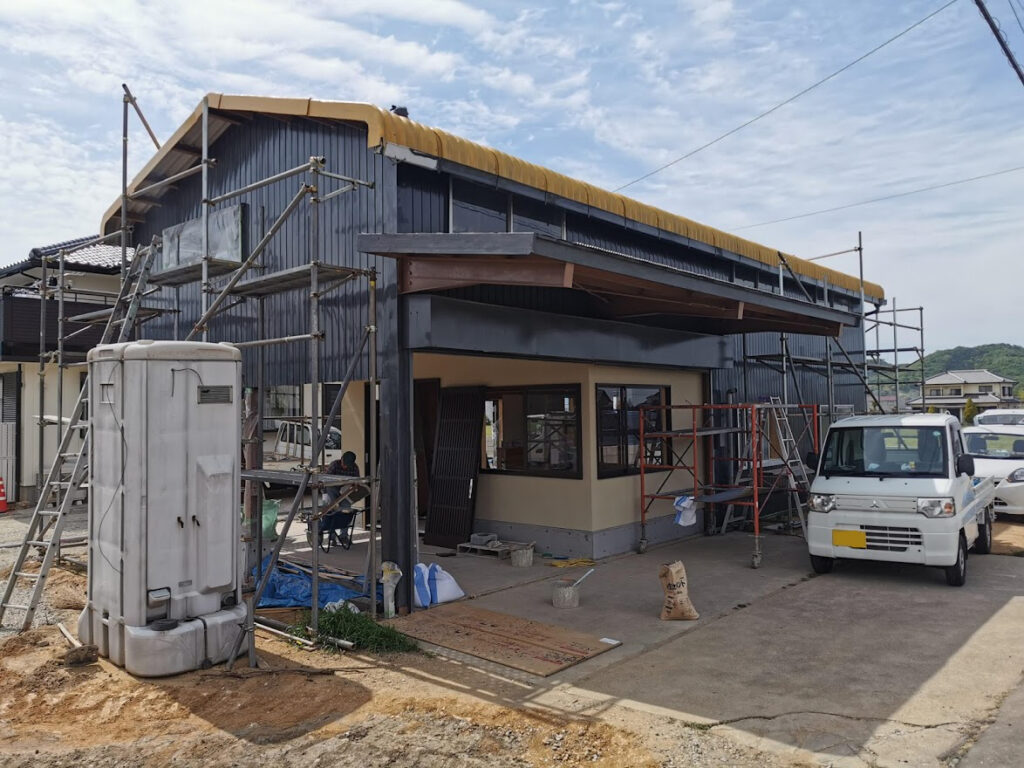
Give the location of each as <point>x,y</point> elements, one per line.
<point>30,417</point>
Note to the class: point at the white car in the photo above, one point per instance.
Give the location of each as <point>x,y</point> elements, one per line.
<point>998,453</point>
<point>1005,416</point>
<point>898,488</point>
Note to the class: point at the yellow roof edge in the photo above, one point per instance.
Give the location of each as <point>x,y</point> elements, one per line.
<point>384,127</point>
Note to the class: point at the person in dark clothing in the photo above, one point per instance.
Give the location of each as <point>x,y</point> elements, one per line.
<point>337,524</point>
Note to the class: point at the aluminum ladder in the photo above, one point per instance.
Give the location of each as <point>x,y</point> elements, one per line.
<point>799,485</point>
<point>63,487</point>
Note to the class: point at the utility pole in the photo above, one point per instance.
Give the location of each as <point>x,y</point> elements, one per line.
<point>1000,39</point>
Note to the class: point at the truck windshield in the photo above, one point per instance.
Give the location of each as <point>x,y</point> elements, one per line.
<point>886,452</point>
<point>995,445</point>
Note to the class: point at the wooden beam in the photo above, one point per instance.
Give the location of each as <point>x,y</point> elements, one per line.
<point>440,273</point>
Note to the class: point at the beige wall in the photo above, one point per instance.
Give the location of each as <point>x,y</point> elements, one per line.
<point>586,504</point>
<point>29,416</point>
<point>616,500</point>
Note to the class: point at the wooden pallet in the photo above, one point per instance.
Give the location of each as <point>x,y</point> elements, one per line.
<point>531,646</point>
<point>502,551</point>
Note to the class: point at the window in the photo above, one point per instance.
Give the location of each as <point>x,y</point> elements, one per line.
<point>476,208</point>
<point>618,428</point>
<point>885,452</point>
<point>281,402</point>
<point>935,392</point>
<point>532,431</point>
<point>533,216</point>
<point>1007,391</point>
<point>985,388</point>
<point>955,392</point>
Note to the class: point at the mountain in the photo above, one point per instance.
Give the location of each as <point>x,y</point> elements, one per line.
<point>1005,359</point>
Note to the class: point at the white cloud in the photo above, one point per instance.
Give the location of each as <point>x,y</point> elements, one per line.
<point>601,89</point>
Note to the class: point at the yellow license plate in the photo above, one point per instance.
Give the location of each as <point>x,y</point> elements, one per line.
<point>853,539</point>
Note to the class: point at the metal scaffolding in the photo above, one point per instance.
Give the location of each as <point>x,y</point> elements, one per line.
<point>879,369</point>
<point>316,277</point>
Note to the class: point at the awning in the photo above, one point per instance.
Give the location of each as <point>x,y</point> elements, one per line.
<point>628,289</point>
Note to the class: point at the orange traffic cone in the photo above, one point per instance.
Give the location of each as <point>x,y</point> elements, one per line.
<point>3,496</point>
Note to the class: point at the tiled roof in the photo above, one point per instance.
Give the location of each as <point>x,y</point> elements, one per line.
<point>96,255</point>
<point>974,376</point>
<point>98,259</point>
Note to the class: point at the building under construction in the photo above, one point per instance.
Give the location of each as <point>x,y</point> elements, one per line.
<point>509,333</point>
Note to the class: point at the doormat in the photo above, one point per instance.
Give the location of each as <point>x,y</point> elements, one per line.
<point>523,644</point>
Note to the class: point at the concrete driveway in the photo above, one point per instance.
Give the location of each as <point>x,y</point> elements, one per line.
<point>874,664</point>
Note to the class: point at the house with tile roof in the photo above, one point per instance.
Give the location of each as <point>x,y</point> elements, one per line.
<point>92,276</point>
<point>950,391</point>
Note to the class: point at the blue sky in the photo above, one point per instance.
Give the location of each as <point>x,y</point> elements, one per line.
<point>603,91</point>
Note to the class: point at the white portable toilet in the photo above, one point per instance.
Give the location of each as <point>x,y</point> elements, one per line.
<point>164,592</point>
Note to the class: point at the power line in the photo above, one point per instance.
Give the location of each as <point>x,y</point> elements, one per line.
<point>1000,39</point>
<point>790,100</point>
<point>1015,14</point>
<point>886,197</point>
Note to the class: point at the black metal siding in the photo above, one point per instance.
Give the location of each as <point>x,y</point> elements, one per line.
<point>764,382</point>
<point>19,329</point>
<point>246,154</point>
<point>417,199</point>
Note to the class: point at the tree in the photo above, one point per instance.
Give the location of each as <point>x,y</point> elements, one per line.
<point>970,411</point>
<point>932,409</point>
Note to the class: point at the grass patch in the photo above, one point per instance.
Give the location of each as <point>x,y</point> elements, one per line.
<point>360,630</point>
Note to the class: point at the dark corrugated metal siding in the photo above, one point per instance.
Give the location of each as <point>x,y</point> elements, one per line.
<point>417,200</point>
<point>248,153</point>
<point>764,382</point>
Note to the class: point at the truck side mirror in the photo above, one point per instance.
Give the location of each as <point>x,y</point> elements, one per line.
<point>965,465</point>
<point>811,459</point>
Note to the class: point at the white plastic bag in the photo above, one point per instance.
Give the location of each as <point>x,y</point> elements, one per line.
<point>686,511</point>
<point>421,590</point>
<point>443,587</point>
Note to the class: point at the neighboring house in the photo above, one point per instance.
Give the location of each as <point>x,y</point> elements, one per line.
<point>92,276</point>
<point>552,308</point>
<point>950,391</point>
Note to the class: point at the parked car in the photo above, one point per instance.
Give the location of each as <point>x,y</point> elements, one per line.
<point>1014,416</point>
<point>998,453</point>
<point>293,443</point>
<point>899,488</point>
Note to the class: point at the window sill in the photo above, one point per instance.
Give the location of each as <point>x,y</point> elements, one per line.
<point>533,473</point>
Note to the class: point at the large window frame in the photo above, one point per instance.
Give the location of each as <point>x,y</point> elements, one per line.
<point>572,391</point>
<point>658,452</point>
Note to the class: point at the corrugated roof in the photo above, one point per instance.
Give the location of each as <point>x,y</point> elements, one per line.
<point>386,128</point>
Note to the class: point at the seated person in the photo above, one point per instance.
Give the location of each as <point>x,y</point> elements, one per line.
<point>338,522</point>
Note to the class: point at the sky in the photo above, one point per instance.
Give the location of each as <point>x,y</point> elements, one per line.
<point>604,91</point>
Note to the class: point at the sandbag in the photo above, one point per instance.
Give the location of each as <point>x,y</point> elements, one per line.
<point>421,591</point>
<point>443,587</point>
<point>677,605</point>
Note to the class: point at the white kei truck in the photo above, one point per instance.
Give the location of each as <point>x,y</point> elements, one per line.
<point>899,488</point>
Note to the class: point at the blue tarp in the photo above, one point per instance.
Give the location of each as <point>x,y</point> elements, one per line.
<point>295,590</point>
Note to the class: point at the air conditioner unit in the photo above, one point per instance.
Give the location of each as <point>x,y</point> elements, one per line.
<point>164,589</point>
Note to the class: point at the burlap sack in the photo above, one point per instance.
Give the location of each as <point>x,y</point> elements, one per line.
<point>677,595</point>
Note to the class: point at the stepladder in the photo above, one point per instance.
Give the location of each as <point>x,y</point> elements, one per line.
<point>793,471</point>
<point>66,485</point>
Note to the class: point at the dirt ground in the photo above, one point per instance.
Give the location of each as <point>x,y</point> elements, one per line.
<point>1008,536</point>
<point>311,708</point>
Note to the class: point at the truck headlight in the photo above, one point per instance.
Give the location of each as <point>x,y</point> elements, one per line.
<point>1017,476</point>
<point>822,502</point>
<point>943,507</point>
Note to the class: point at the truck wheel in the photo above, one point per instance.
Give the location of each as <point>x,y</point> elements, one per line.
<point>956,574</point>
<point>984,543</point>
<point>822,564</point>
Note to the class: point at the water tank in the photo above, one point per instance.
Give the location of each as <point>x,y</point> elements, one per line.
<point>164,589</point>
